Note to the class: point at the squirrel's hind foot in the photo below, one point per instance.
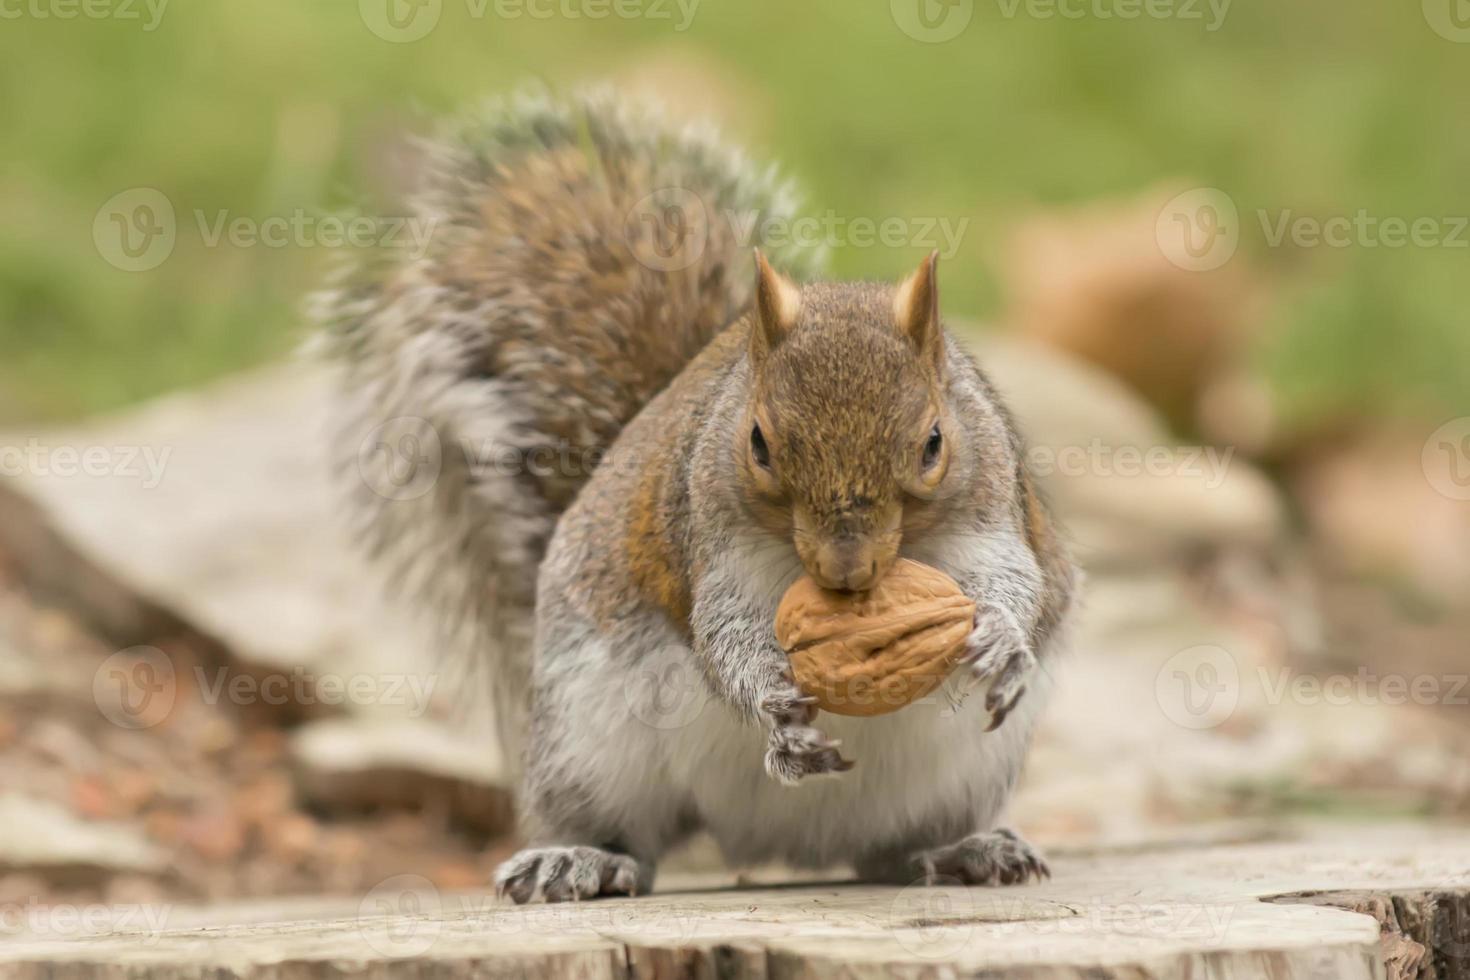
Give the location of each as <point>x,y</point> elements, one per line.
<point>561,874</point>
<point>999,857</point>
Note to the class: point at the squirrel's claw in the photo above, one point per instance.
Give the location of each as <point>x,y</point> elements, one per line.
<point>1000,653</point>
<point>789,707</point>
<point>561,874</point>
<point>797,751</point>
<point>999,708</point>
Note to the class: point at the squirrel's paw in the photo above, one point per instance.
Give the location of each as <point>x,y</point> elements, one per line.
<point>997,858</point>
<point>998,651</point>
<point>796,751</point>
<point>560,874</point>
<point>789,707</point>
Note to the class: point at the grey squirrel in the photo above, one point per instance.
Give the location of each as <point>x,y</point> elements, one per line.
<point>706,431</point>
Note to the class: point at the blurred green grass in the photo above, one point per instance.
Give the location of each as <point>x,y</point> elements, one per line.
<point>276,106</point>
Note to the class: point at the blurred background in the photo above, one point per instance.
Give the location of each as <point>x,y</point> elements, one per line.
<point>1216,252</point>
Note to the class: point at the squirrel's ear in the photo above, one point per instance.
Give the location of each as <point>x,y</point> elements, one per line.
<point>916,308</point>
<point>777,303</point>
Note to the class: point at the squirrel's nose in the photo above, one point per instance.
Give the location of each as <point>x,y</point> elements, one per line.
<point>846,566</point>
<point>862,579</point>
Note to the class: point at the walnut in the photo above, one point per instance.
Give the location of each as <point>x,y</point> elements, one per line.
<point>873,652</point>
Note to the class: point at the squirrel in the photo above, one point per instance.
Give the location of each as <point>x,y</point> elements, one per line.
<point>718,430</point>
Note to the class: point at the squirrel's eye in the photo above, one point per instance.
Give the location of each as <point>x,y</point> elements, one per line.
<point>932,447</point>
<point>758,448</point>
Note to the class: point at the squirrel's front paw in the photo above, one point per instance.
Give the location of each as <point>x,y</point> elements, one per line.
<point>789,707</point>
<point>998,651</point>
<point>795,751</point>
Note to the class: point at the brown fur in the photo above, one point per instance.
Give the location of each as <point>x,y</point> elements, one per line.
<point>604,332</point>
<point>653,559</point>
<point>1056,565</point>
<point>651,462</point>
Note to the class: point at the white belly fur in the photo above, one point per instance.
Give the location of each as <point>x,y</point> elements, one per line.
<point>915,768</point>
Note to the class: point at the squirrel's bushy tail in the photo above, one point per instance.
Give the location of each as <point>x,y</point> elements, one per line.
<point>580,251</point>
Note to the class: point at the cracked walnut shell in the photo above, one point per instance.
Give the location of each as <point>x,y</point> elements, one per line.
<point>870,653</point>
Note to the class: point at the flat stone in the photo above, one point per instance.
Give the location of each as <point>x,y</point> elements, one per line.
<point>218,504</point>
<point>40,837</point>
<point>1126,490</point>
<point>354,764</point>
